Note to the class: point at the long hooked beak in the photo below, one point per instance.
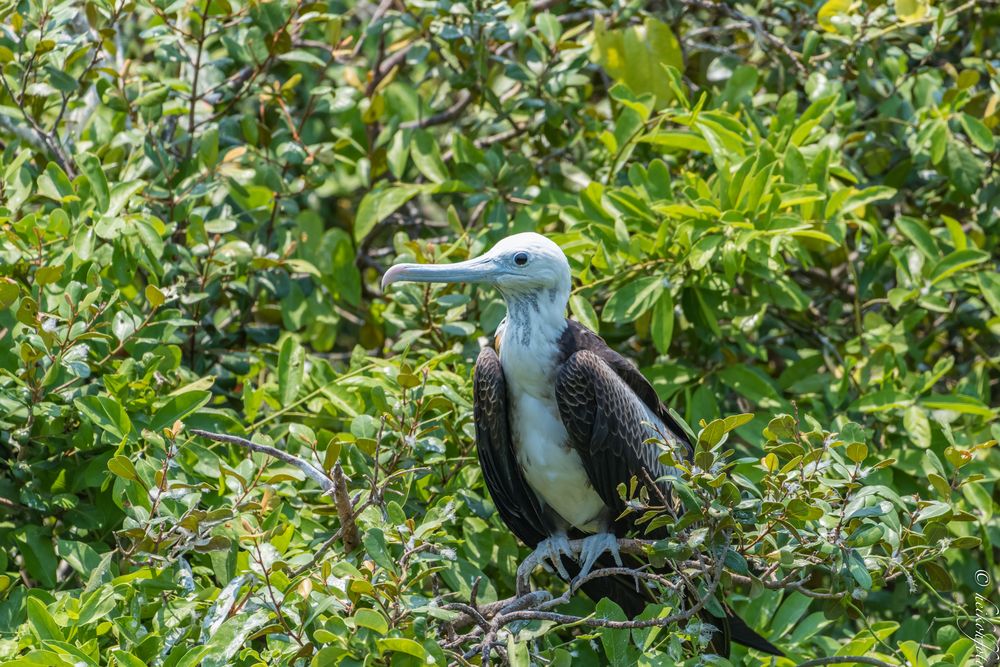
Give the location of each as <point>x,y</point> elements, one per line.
<point>478,270</point>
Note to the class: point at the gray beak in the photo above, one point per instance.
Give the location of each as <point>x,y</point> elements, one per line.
<point>478,270</point>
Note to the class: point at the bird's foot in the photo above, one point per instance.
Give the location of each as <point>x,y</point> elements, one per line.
<point>552,550</point>
<point>594,547</point>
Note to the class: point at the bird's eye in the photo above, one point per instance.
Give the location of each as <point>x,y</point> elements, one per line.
<point>521,258</point>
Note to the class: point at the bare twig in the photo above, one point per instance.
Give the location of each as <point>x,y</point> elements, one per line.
<point>311,471</point>
<point>845,659</point>
<point>491,620</point>
<point>764,37</point>
<point>446,116</point>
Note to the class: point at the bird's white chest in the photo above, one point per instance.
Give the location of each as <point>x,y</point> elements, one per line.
<point>551,467</point>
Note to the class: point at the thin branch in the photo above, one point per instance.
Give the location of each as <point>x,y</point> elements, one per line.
<point>446,116</point>
<point>845,659</point>
<point>528,565</point>
<point>311,471</point>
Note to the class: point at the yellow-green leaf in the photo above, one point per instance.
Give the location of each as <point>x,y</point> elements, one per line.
<point>911,10</point>
<point>403,645</point>
<point>638,55</point>
<point>123,467</point>
<point>371,619</point>
<point>831,13</point>
<point>154,296</point>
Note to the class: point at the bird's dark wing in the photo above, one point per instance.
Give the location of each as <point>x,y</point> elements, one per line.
<point>577,337</point>
<point>608,424</point>
<point>605,404</point>
<point>515,501</point>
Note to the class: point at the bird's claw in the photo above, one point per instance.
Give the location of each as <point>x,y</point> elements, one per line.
<point>552,550</point>
<point>594,547</point>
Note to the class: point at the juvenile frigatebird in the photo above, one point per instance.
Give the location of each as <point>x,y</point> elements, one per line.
<point>562,420</point>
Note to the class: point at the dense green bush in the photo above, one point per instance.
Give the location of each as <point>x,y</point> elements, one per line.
<point>779,208</point>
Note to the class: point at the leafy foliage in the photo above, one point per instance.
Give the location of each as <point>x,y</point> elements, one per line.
<point>775,208</point>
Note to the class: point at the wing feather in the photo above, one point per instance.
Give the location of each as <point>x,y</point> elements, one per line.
<point>605,404</point>
<point>609,425</point>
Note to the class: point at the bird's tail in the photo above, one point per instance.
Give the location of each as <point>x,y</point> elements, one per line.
<point>741,633</point>
<point>633,600</point>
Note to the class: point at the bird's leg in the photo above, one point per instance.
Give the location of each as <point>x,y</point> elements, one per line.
<point>594,546</point>
<point>552,550</point>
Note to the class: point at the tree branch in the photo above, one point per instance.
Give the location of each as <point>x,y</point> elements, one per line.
<point>311,471</point>
<point>845,659</point>
<point>446,116</point>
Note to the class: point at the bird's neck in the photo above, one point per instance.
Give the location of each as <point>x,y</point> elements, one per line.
<point>535,320</point>
<point>529,345</point>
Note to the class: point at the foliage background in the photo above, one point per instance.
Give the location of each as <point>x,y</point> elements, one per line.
<point>774,207</point>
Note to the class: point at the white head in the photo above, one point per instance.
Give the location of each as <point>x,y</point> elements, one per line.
<point>523,267</point>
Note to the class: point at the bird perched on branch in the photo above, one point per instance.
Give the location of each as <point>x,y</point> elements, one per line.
<point>562,420</point>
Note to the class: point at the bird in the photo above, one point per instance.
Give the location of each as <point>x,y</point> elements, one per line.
<point>561,420</point>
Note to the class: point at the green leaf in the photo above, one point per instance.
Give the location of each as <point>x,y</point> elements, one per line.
<point>978,132</point>
<point>979,498</point>
<point>154,296</point>
<point>918,426</point>
<point>791,611</point>
<point>80,555</point>
<point>857,452</point>
<point>9,291</point>
<point>27,312</point>
<point>856,566</point>
<point>584,312</point>
<point>123,325</point>
<point>208,147</point>
<point>989,287</point>
<point>673,139</point>
<point>371,619</point>
<point>35,545</point>
<point>865,536</point>
<point>867,196</point>
<point>54,184</point>
<point>231,637</point>
<point>121,193</point>
<point>177,408</point>
<point>911,10</point>
<point>123,467</point>
<point>427,156</point>
<point>41,621</point>
<point>46,275</point>
<point>833,13</point>
<point>932,509</point>
<point>380,204</point>
<point>107,413</point>
<point>94,171</point>
<point>714,434</point>
<point>957,403</point>
<point>617,644</point>
<point>549,26</point>
<point>126,659</point>
<point>748,382</point>
<point>917,233</point>
<point>291,361</point>
<point>374,541</point>
<point>637,56</point>
<point>661,326</point>
<point>402,645</point>
<point>703,251</point>
<point>633,299</point>
<point>957,261</point>
<point>964,169</point>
